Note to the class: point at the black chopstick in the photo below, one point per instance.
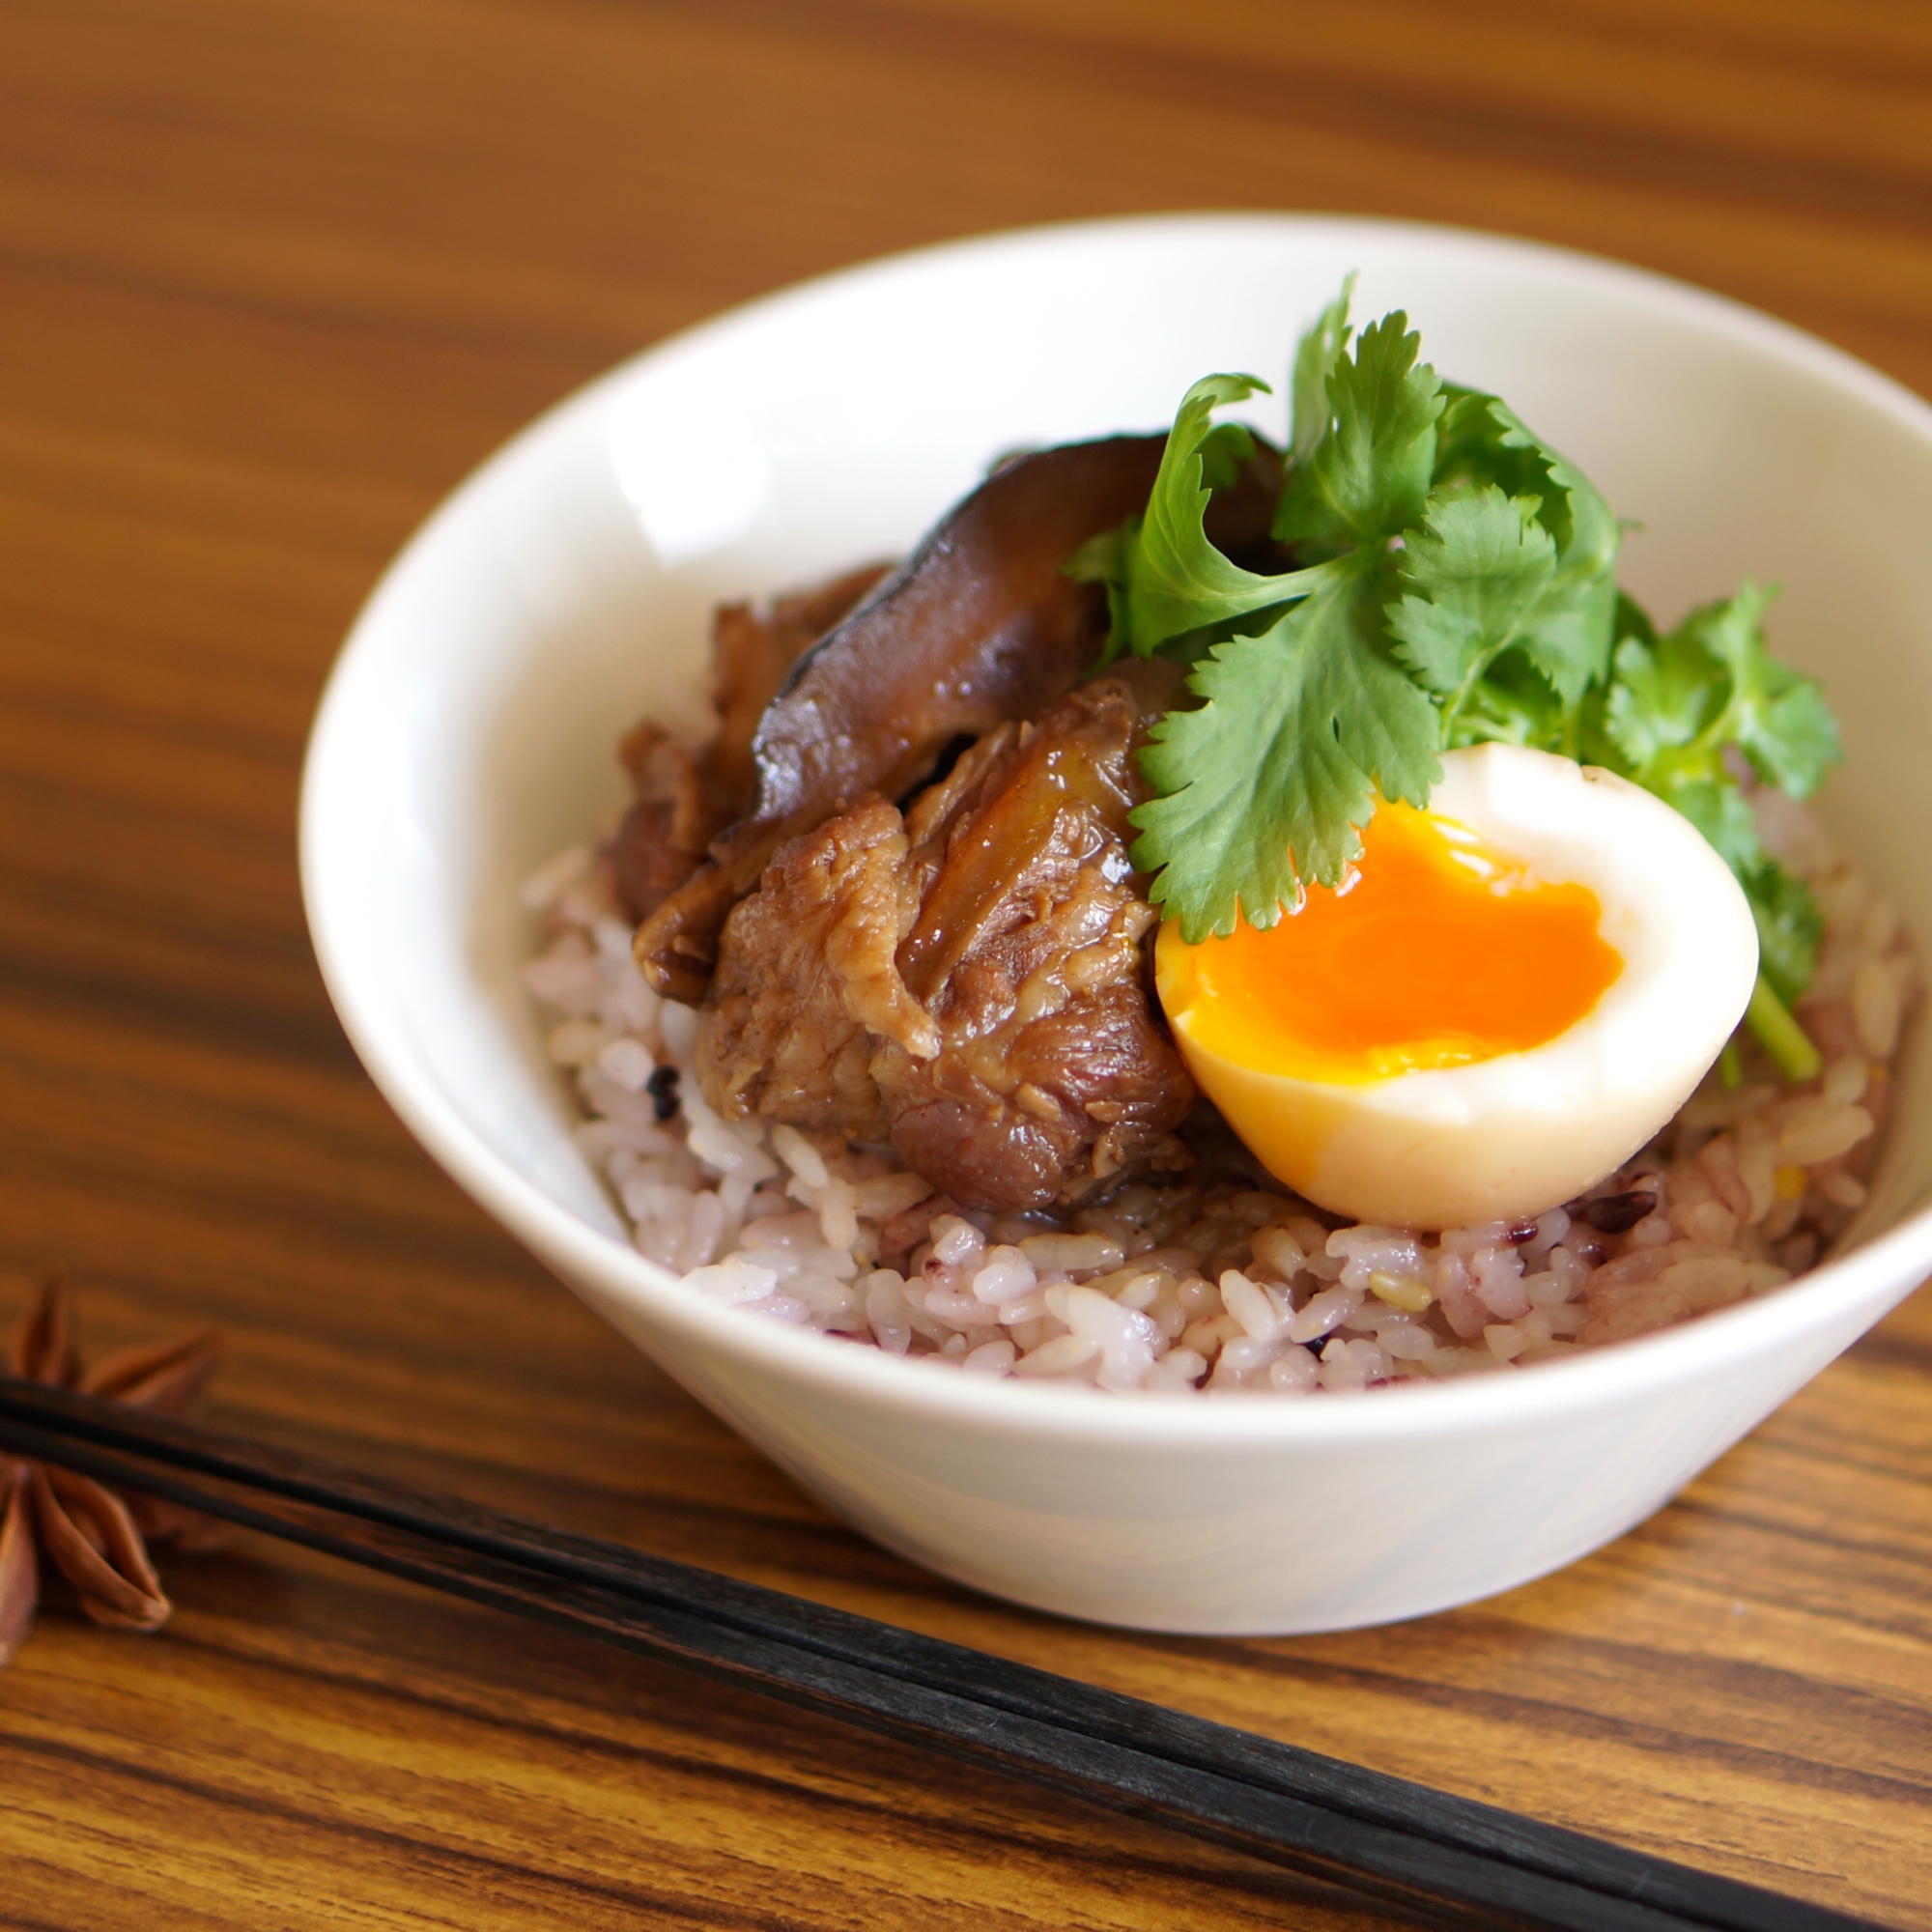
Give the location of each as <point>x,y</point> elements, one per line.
<point>1424,1853</point>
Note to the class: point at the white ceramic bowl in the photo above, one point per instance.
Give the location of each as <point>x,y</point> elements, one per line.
<point>563,590</point>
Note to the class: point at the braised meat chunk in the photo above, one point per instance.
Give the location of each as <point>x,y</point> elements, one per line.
<point>683,798</point>
<point>966,982</point>
<point>810,987</point>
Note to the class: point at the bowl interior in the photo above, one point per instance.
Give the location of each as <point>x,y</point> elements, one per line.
<point>565,592</point>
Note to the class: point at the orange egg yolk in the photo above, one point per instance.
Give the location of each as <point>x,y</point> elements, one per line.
<point>1439,953</point>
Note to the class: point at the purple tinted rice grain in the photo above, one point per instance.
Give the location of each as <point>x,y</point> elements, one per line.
<point>662,1087</point>
<point>1616,1214</point>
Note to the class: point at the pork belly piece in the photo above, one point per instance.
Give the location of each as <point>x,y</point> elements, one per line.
<point>966,982</point>
<point>683,798</point>
<point>810,987</point>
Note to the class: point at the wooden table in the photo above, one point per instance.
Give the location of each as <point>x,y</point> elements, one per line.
<point>273,274</point>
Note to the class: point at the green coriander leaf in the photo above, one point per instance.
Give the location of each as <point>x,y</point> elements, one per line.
<point>1224,450</point>
<point>1793,738</point>
<point>1662,700</point>
<point>1677,703</point>
<point>1471,446</point>
<point>1315,358</point>
<point>1567,637</point>
<point>1476,578</point>
<point>1263,786</point>
<point>1513,704</point>
<point>1633,620</point>
<point>1723,813</point>
<point>1482,441</point>
<point>1482,444</point>
<point>1789,927</point>
<point>1171,579</point>
<point>1779,719</point>
<point>1366,479</point>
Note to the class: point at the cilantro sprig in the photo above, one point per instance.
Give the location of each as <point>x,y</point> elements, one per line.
<point>1453,581</point>
<point>1678,714</point>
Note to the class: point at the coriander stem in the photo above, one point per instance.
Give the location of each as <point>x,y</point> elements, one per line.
<point>1779,1035</point>
<point>1452,712</point>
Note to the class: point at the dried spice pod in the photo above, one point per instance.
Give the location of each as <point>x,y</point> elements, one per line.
<point>19,1569</point>
<point>97,1540</point>
<point>93,1539</point>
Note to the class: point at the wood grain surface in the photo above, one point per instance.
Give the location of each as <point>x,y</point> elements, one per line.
<point>273,274</point>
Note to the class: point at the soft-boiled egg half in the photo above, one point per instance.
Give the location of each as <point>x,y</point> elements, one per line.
<point>1517,988</point>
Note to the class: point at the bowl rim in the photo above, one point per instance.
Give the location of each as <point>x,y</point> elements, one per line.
<point>1643,1366</point>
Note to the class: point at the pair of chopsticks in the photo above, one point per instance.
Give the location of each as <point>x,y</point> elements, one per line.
<point>1423,1854</point>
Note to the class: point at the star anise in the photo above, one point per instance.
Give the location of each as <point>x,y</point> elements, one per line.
<point>96,1539</point>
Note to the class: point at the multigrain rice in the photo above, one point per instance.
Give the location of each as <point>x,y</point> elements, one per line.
<point>1230,1286</point>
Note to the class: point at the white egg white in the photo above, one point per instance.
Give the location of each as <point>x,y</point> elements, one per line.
<point>1524,1131</point>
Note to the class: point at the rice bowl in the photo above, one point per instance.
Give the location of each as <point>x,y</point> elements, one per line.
<point>449,763</point>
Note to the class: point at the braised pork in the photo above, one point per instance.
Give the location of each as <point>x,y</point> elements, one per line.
<point>968,981</point>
